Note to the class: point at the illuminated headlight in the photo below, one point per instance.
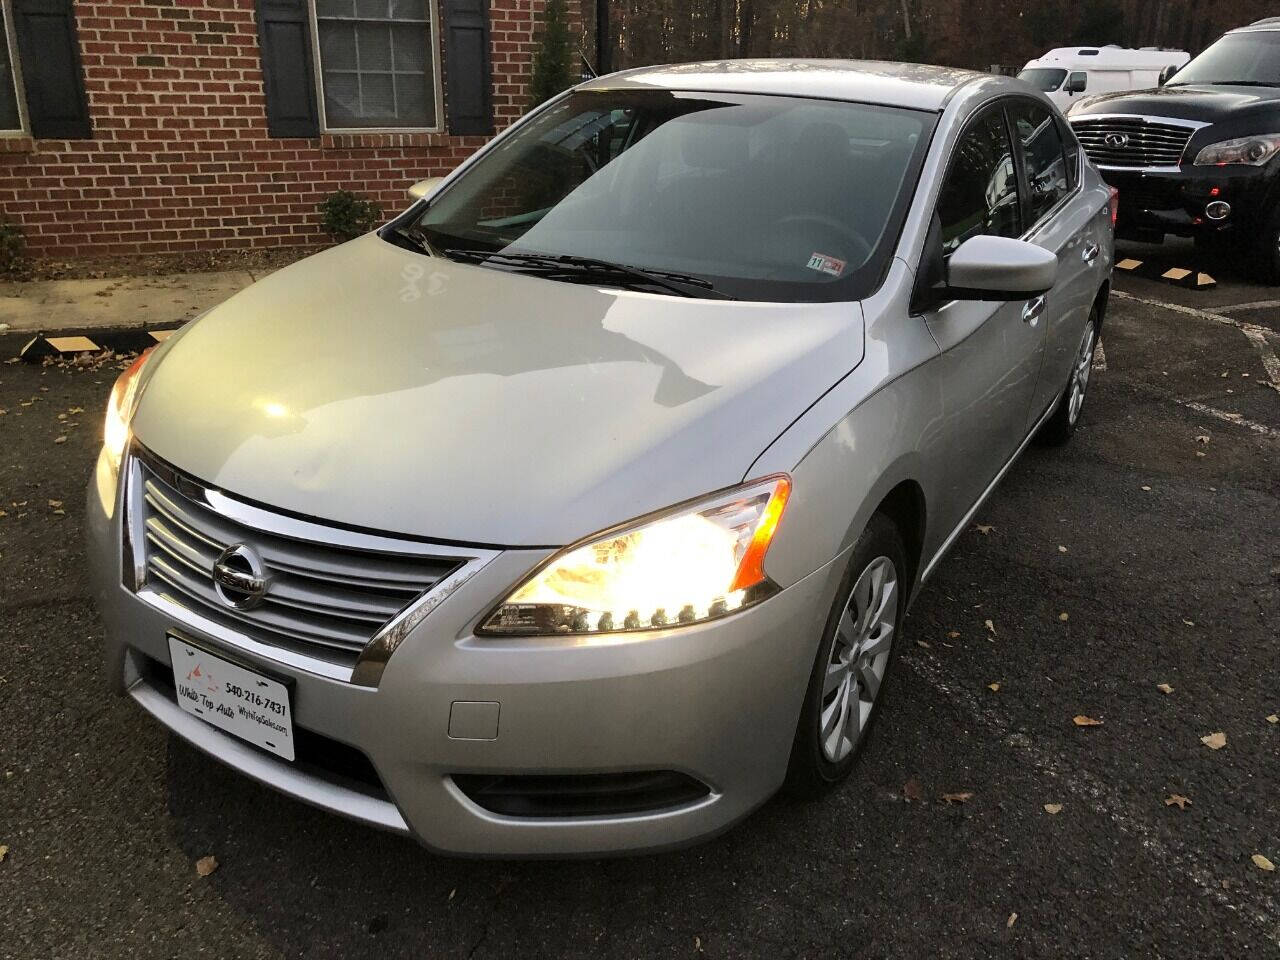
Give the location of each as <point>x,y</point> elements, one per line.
<point>689,565</point>
<point>1254,151</point>
<point>120,407</point>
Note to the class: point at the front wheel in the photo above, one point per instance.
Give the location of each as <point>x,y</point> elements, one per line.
<point>847,681</point>
<point>1062,424</point>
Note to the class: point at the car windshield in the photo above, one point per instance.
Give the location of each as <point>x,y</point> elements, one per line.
<point>752,197</point>
<point>1047,79</point>
<point>1238,59</point>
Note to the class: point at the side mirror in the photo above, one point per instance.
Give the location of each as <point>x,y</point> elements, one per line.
<point>1078,82</point>
<point>998,268</point>
<point>424,188</point>
<point>1167,74</point>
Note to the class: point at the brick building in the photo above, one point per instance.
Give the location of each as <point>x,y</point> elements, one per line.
<point>152,126</point>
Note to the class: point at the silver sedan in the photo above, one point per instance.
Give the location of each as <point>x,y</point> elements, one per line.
<point>578,508</point>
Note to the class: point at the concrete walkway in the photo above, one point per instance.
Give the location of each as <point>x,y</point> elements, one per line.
<point>52,306</point>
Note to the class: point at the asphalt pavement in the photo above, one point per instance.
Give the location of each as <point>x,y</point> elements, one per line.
<point>981,821</point>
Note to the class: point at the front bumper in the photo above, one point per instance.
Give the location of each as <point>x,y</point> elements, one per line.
<point>1157,201</point>
<point>717,702</point>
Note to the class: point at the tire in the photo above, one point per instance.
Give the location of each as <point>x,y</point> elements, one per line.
<point>818,763</point>
<point>1060,427</point>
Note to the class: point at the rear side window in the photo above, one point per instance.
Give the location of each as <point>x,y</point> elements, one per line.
<point>980,192</point>
<point>1044,154</point>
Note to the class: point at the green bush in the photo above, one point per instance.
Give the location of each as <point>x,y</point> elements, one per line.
<point>346,216</point>
<point>553,60</point>
<point>12,248</point>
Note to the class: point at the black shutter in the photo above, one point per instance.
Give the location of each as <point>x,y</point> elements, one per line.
<point>466,64</point>
<point>49,52</point>
<point>284,34</point>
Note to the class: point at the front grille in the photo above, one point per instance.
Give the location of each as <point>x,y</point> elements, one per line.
<point>323,599</point>
<point>581,795</point>
<point>1134,141</point>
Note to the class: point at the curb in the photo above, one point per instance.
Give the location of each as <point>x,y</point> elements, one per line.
<point>35,349</point>
<point>1183,277</point>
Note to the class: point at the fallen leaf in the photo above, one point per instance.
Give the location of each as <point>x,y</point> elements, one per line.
<point>912,791</point>
<point>62,439</point>
<point>1215,741</point>
<point>206,865</point>
<point>1013,918</point>
<point>956,797</point>
<point>1178,800</point>
<point>1053,809</point>
<point>453,893</point>
<point>697,944</point>
<point>1262,863</point>
<point>1064,616</point>
<point>953,634</point>
<point>1164,688</point>
<point>1082,721</point>
<point>1061,548</point>
<point>1274,718</point>
<point>921,643</point>
<point>990,626</point>
<point>1189,623</point>
<point>993,687</point>
<point>55,504</point>
<point>1148,489</point>
<point>1202,438</point>
<point>4,852</point>
<point>985,528</point>
<point>1199,453</point>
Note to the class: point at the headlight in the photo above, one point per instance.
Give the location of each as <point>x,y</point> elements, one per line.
<point>689,565</point>
<point>1254,151</point>
<point>120,407</point>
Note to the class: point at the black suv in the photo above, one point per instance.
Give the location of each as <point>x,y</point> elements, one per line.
<point>1200,155</point>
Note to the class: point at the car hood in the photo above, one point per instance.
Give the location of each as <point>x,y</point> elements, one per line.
<point>1204,104</point>
<point>371,386</point>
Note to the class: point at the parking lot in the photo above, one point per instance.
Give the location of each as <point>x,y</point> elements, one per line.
<point>1145,553</point>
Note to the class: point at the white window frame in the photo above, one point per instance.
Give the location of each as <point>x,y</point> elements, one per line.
<point>433,17</point>
<point>24,125</point>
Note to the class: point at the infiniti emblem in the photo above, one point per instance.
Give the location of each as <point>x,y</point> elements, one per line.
<point>239,577</point>
<point>1116,139</point>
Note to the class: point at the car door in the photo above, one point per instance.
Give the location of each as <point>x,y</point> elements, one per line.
<point>1060,220</point>
<point>990,351</point>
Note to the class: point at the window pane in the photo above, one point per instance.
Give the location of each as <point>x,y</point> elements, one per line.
<point>335,8</point>
<point>376,72</point>
<point>409,9</point>
<point>8,94</point>
<point>980,194</point>
<point>373,9</point>
<point>1042,149</point>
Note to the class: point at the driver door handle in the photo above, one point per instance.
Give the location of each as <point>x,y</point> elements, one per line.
<point>1032,311</point>
<point>1090,252</point>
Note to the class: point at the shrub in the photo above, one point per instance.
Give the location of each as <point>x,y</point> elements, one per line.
<point>346,216</point>
<point>552,61</point>
<point>12,247</point>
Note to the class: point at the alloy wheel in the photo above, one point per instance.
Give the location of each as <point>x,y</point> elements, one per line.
<point>1080,374</point>
<point>859,655</point>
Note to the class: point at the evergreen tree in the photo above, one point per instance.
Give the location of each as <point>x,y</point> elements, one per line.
<point>552,62</point>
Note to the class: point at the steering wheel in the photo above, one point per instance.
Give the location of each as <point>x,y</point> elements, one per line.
<point>835,229</point>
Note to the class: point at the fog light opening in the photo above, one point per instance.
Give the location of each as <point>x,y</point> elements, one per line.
<point>1217,210</point>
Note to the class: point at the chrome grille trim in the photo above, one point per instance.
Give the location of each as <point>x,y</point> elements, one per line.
<point>1152,142</point>
<point>339,601</point>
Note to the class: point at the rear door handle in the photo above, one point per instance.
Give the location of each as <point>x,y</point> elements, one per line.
<point>1032,311</point>
<point>1090,252</point>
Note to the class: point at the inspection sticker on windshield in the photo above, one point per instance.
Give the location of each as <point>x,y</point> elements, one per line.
<point>239,701</point>
<point>824,264</point>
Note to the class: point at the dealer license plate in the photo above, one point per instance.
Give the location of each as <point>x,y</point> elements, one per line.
<point>239,701</point>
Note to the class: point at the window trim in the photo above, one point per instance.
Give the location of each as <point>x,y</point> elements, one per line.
<point>433,20</point>
<point>24,124</point>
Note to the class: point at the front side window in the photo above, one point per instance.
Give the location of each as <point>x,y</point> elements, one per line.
<point>757,197</point>
<point>1043,154</point>
<point>1047,79</point>
<point>377,63</point>
<point>1250,59</point>
<point>10,116</point>
<point>980,193</point>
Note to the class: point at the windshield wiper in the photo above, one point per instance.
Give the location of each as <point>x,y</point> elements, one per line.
<point>1230,83</point>
<point>579,268</point>
<point>410,238</point>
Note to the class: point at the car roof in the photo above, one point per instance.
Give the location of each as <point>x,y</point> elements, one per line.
<point>911,85</point>
<point>1269,23</point>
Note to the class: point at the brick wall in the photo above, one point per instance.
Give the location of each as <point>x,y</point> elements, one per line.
<point>180,158</point>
